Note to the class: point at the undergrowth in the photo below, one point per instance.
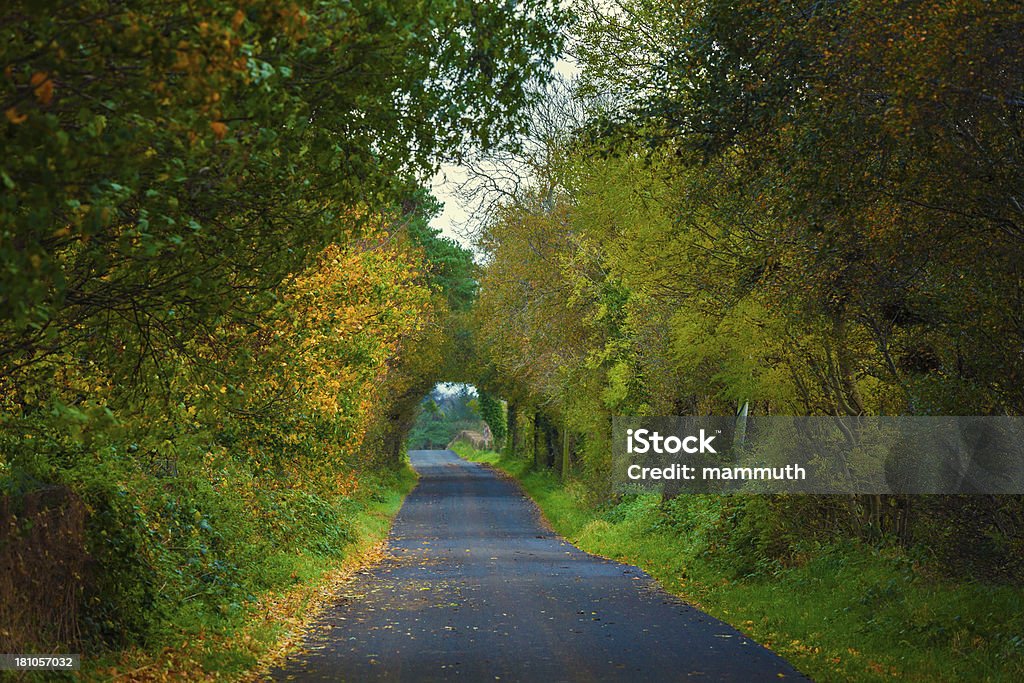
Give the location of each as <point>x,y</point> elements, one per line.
<point>197,577</point>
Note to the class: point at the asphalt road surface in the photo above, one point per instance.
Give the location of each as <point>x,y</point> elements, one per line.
<point>476,589</point>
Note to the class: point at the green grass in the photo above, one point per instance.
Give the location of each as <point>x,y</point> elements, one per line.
<point>845,611</point>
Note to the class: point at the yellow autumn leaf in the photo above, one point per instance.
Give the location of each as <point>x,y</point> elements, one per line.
<point>42,86</point>
<point>14,116</point>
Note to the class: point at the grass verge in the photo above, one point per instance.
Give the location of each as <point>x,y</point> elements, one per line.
<point>245,645</point>
<point>847,611</point>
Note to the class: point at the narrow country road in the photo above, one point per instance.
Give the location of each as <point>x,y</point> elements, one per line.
<point>475,589</point>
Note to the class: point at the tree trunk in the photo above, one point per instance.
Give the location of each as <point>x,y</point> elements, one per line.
<point>551,443</point>
<point>538,440</point>
<point>513,429</point>
<point>565,453</point>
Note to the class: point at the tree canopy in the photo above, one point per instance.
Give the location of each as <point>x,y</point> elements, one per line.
<point>220,298</point>
<point>780,208</point>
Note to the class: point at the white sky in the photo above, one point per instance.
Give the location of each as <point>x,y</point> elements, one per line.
<point>454,387</point>
<point>452,220</point>
<point>444,184</point>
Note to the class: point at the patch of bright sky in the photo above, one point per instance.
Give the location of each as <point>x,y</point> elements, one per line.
<point>454,388</point>
<point>453,220</point>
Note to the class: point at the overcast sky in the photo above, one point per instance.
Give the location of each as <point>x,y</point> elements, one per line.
<point>451,221</point>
